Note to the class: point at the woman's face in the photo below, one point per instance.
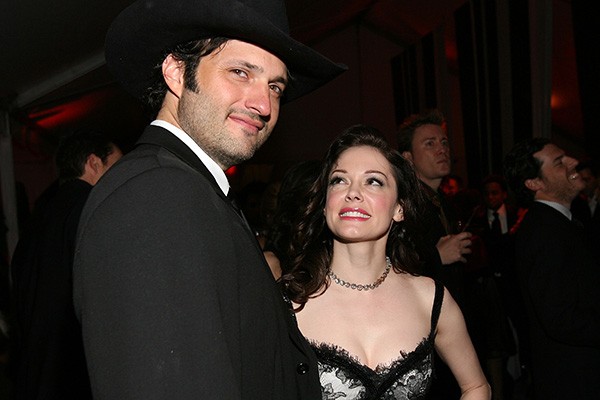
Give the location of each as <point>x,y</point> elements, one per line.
<point>361,196</point>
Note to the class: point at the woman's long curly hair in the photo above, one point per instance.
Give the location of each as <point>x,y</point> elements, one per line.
<point>311,247</point>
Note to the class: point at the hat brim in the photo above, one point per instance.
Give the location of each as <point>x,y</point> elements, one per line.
<point>140,36</point>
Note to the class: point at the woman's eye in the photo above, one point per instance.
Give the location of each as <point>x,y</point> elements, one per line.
<point>335,180</point>
<point>374,182</point>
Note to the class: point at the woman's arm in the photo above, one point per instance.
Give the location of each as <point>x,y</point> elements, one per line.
<point>274,263</point>
<point>454,346</point>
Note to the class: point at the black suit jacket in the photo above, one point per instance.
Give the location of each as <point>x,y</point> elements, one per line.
<point>438,219</point>
<point>591,222</point>
<point>499,249</point>
<point>47,360</point>
<point>560,280</point>
<point>172,290</point>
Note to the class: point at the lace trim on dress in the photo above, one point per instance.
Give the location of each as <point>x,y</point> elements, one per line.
<point>406,378</point>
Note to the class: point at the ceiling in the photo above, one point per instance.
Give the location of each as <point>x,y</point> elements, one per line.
<point>47,45</point>
<point>52,51</point>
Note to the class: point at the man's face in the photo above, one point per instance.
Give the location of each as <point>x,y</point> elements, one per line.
<point>493,195</point>
<point>430,154</point>
<point>558,180</point>
<point>236,105</point>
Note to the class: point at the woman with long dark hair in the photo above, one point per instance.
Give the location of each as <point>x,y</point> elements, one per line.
<point>352,276</point>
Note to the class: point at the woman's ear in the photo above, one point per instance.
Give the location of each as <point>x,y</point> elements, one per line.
<point>398,214</point>
<point>173,72</point>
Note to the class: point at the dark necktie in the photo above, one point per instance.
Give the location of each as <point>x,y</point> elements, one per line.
<point>434,197</point>
<point>496,228</point>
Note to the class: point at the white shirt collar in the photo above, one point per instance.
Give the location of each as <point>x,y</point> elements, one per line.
<point>501,217</point>
<point>501,211</point>
<point>558,207</point>
<point>210,164</point>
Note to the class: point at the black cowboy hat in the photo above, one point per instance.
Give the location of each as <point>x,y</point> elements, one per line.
<point>142,34</point>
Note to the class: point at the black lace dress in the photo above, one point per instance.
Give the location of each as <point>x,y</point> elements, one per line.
<point>407,378</point>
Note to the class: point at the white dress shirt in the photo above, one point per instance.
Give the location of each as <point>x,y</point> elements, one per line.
<point>559,207</point>
<point>210,164</point>
<point>501,216</point>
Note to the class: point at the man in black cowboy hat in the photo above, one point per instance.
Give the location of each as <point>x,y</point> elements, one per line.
<point>173,293</point>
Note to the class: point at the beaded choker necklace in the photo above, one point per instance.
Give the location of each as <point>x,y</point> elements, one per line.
<point>359,287</point>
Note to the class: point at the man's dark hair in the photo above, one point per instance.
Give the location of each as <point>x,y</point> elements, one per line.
<point>520,165</point>
<point>190,54</point>
<point>75,147</point>
<point>495,178</point>
<point>406,131</point>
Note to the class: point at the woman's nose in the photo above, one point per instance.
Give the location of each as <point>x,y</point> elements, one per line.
<point>353,193</point>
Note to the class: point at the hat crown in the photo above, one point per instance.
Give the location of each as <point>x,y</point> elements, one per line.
<point>273,10</point>
<point>141,35</point>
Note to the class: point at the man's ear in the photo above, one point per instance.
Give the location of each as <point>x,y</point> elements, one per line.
<point>534,184</point>
<point>93,164</point>
<point>92,169</point>
<point>173,71</point>
<point>407,155</point>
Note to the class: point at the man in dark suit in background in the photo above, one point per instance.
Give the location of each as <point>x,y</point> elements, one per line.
<point>558,275</point>
<point>585,206</point>
<point>493,222</point>
<point>423,140</point>
<point>47,359</point>
<point>174,295</point>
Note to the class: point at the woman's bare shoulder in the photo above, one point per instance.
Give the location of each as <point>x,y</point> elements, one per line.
<point>421,284</point>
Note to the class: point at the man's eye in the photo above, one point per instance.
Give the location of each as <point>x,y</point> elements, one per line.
<point>240,72</point>
<point>277,90</point>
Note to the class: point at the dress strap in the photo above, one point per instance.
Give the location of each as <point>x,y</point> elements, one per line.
<point>437,306</point>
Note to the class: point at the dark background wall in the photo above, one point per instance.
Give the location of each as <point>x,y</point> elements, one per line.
<point>501,71</point>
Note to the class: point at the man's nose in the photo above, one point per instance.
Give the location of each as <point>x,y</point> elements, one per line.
<point>259,99</point>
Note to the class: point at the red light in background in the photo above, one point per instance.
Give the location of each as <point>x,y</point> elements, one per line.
<point>451,52</point>
<point>556,101</point>
<point>69,112</point>
<point>231,171</point>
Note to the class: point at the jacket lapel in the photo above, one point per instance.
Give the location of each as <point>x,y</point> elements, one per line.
<point>158,136</point>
